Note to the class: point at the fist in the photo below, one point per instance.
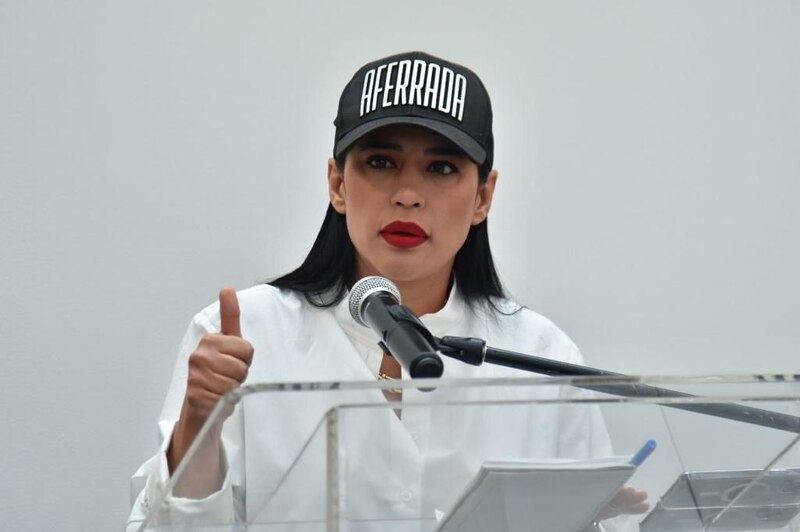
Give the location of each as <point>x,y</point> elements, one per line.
<point>628,500</point>
<point>220,362</point>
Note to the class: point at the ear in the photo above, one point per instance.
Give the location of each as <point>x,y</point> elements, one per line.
<point>336,190</point>
<point>483,200</point>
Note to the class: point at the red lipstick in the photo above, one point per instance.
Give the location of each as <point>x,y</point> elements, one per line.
<point>404,234</point>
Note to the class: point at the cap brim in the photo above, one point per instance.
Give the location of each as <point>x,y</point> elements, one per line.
<point>470,146</point>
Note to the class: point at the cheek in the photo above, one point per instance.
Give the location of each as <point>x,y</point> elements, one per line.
<point>358,215</point>
<point>355,207</point>
<point>463,208</point>
<point>458,218</point>
<point>360,194</point>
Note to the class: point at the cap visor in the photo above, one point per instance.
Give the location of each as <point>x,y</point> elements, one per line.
<point>471,147</point>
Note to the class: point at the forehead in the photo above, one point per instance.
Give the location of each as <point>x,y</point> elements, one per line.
<point>403,136</point>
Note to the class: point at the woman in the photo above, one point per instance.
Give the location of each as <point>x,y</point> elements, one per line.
<point>410,184</point>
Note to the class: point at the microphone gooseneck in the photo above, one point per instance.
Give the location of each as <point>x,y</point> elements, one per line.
<point>375,303</point>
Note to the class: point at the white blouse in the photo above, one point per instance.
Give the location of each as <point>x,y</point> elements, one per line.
<point>403,467</point>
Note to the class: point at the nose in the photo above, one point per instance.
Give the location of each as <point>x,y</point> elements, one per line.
<point>408,190</point>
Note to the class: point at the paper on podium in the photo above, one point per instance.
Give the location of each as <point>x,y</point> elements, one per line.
<point>548,495</point>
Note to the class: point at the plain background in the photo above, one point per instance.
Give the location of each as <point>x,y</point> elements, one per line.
<point>151,152</point>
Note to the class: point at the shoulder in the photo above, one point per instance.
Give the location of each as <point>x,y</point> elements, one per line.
<point>521,329</point>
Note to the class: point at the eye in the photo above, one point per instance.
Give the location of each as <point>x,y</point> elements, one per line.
<point>380,162</point>
<point>442,168</point>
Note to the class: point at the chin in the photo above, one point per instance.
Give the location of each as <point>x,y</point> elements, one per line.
<point>404,269</point>
<point>399,275</point>
<point>408,273</point>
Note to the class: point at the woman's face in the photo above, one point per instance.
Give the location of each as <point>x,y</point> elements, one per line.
<point>409,197</point>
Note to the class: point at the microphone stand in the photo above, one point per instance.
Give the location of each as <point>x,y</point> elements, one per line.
<point>474,351</point>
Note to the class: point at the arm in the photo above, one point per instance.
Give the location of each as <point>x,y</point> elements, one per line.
<point>207,360</point>
<point>220,363</point>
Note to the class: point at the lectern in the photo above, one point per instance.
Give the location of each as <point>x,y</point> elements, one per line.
<point>398,456</point>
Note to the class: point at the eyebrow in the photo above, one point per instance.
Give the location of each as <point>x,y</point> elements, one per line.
<point>376,144</point>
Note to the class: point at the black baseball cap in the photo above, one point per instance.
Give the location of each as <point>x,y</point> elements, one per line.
<point>418,89</point>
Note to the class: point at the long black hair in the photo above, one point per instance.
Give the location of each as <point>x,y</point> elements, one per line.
<point>330,267</point>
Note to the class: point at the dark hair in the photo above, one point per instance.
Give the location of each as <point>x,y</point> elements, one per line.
<point>324,275</point>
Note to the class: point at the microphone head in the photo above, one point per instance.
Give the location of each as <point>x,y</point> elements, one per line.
<point>364,288</point>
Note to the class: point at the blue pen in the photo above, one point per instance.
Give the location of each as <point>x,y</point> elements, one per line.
<point>642,454</point>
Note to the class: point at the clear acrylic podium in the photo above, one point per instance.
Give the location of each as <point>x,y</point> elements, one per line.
<point>341,457</point>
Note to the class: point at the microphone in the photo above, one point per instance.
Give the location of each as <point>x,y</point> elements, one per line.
<point>375,303</point>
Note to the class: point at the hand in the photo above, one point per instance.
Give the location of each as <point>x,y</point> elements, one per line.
<point>220,362</point>
<point>628,500</point>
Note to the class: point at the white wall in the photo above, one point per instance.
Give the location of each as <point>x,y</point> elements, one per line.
<point>153,151</point>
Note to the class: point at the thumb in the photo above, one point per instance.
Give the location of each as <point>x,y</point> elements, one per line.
<point>229,312</point>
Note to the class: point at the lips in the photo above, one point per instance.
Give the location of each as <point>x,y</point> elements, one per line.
<point>404,234</point>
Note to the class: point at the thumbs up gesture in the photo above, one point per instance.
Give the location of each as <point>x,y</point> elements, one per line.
<point>220,362</point>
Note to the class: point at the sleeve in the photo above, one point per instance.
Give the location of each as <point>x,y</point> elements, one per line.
<point>575,428</point>
<point>150,480</point>
<point>584,433</point>
<point>582,429</point>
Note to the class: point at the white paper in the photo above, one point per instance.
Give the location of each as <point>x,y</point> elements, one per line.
<point>537,496</point>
